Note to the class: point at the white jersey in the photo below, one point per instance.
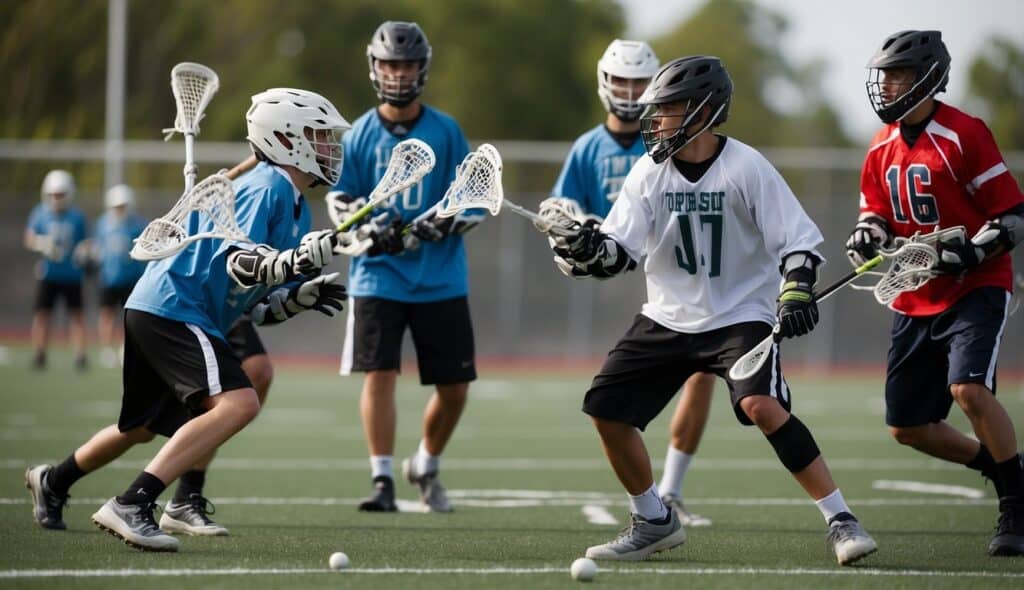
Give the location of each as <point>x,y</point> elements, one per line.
<point>714,246</point>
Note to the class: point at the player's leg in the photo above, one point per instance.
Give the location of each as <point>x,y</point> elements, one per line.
<point>653,360</point>
<point>105,329</point>
<point>46,297</point>
<point>189,510</point>
<point>442,332</point>
<point>373,344</point>
<point>685,432</point>
<point>764,400</point>
<point>199,376</point>
<point>76,322</point>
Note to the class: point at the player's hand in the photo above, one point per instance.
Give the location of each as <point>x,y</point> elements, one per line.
<point>867,237</point>
<point>957,255</point>
<point>341,207</point>
<point>796,309</point>
<point>316,249</point>
<point>47,246</point>
<point>322,294</point>
<point>582,246</point>
<point>432,229</point>
<point>385,235</point>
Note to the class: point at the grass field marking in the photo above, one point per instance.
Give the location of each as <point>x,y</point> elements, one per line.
<point>598,515</point>
<point>926,488</point>
<point>711,571</point>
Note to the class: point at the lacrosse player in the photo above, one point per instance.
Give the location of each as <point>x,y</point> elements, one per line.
<point>55,229</point>
<point>719,228</point>
<point>592,176</point>
<point>111,240</point>
<point>934,166</point>
<point>417,283</point>
<point>181,379</point>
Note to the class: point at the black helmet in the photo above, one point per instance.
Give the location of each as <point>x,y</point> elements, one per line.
<point>696,81</point>
<point>920,51</point>
<point>398,41</point>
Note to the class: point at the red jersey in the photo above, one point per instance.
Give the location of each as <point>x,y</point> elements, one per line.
<point>953,175</point>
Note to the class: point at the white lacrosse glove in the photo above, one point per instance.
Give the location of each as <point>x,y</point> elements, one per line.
<point>341,207</point>
<point>322,294</point>
<point>352,243</point>
<point>316,248</point>
<point>870,234</point>
<point>47,246</point>
<point>263,265</point>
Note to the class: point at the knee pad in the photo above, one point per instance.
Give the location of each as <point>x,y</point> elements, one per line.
<point>794,445</point>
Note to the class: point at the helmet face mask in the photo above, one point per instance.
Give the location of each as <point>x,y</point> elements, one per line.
<point>623,73</point>
<point>909,68</point>
<point>399,60</point>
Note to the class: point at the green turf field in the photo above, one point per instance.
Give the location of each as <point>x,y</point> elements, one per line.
<point>521,468</point>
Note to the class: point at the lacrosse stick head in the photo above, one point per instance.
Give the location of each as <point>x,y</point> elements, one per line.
<point>477,184</point>
<point>213,199</point>
<point>559,212</point>
<point>193,86</point>
<point>912,265</point>
<point>410,161</point>
<point>750,363</point>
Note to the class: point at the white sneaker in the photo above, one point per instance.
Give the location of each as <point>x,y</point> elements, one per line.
<point>109,358</point>
<point>191,518</point>
<point>134,524</point>
<point>850,541</point>
<point>432,493</point>
<point>686,517</point>
<point>640,539</point>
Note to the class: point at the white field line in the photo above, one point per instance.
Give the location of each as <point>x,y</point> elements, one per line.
<point>926,488</point>
<point>598,515</point>
<point>710,571</point>
<point>525,464</point>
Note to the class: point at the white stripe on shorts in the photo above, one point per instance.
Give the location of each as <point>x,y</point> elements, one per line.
<point>990,375</point>
<point>212,370</point>
<point>350,336</point>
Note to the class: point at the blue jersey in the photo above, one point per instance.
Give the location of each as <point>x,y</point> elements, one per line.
<point>113,236</point>
<point>67,228</point>
<point>436,270</point>
<point>595,170</point>
<point>193,286</point>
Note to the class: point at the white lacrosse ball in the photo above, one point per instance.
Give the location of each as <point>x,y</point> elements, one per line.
<point>583,569</point>
<point>338,561</point>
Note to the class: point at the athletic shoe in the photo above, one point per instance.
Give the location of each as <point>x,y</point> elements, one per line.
<point>109,358</point>
<point>135,525</point>
<point>849,541</point>
<point>1009,537</point>
<point>432,493</point>
<point>81,363</point>
<point>47,507</point>
<point>686,517</point>
<point>640,539</point>
<point>39,361</point>
<point>191,518</point>
<point>382,499</point>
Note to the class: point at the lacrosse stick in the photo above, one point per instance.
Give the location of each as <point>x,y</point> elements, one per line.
<point>557,221</point>
<point>193,86</point>
<point>477,184</point>
<point>214,197</point>
<point>411,160</point>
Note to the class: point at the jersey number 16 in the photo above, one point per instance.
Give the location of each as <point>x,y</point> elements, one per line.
<point>922,205</point>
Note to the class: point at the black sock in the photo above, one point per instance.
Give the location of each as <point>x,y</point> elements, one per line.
<point>842,517</point>
<point>145,489</point>
<point>983,462</point>
<point>191,482</point>
<point>1010,476</point>
<point>664,519</point>
<point>64,475</point>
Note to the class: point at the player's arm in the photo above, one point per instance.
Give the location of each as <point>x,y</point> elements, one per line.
<point>873,230</point>
<point>263,265</point>
<point>995,238</point>
<point>589,252</point>
<point>796,309</point>
<point>322,294</point>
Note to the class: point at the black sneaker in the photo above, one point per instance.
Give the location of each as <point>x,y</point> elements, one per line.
<point>47,507</point>
<point>383,497</point>
<point>81,363</point>
<point>39,361</point>
<point>1009,537</point>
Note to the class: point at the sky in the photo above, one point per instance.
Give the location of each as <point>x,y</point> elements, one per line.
<point>846,34</point>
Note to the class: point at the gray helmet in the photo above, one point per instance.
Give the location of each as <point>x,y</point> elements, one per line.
<point>921,51</point>
<point>398,41</point>
<point>696,81</point>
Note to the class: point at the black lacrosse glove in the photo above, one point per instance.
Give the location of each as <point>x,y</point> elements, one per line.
<point>868,236</point>
<point>796,308</point>
<point>385,235</point>
<point>433,228</point>
<point>582,246</point>
<point>957,255</point>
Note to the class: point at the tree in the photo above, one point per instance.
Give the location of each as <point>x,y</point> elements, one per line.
<point>996,91</point>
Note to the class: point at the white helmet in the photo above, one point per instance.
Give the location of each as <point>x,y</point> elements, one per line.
<point>624,59</point>
<point>291,127</point>
<point>58,182</point>
<point>118,195</point>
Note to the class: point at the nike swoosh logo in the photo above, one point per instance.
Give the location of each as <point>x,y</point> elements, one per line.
<point>976,374</point>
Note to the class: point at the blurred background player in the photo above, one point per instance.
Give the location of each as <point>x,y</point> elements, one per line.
<point>592,175</point>
<point>707,305</point>
<point>934,166</point>
<point>55,229</point>
<point>181,378</point>
<point>419,283</point>
<point>112,239</point>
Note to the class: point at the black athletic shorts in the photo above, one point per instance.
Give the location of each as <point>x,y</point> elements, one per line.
<point>115,296</point>
<point>48,292</point>
<point>442,333</point>
<point>928,354</point>
<point>244,340</point>
<point>651,362</point>
<point>170,368</point>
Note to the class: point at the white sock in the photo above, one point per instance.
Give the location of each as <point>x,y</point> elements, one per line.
<point>648,505</point>
<point>425,462</point>
<point>380,465</point>
<point>676,464</point>
<point>832,505</point>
